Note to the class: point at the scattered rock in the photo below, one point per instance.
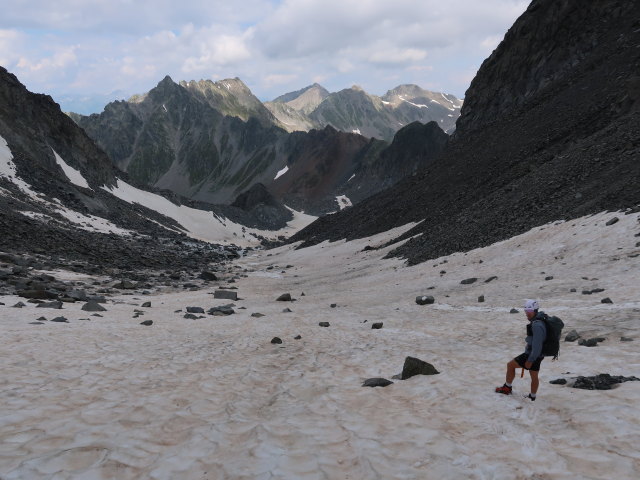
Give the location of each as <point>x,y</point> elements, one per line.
<point>285,297</point>
<point>57,305</point>
<point>604,381</point>
<point>287,310</point>
<point>377,382</point>
<point>208,276</point>
<point>558,381</point>
<point>597,290</point>
<point>513,310</point>
<point>97,315</point>
<point>468,281</point>
<point>550,277</point>
<point>573,290</point>
<point>36,323</point>
<point>425,300</point>
<point>481,299</point>
<point>415,366</point>
<point>572,336</point>
<point>276,340</point>
<point>226,294</point>
<point>39,294</point>
<point>586,292</point>
<point>146,305</point>
<point>334,305</point>
<point>195,310</point>
<point>591,342</point>
<point>257,315</point>
<point>124,285</point>
<point>626,339</point>
<point>302,294</point>
<point>92,306</point>
<point>19,305</point>
<point>147,323</point>
<point>221,311</point>
<point>60,320</point>
<point>612,221</point>
<point>190,316</point>
<point>297,337</point>
<point>490,279</point>
<point>606,300</point>
<point>376,326</point>
<point>324,324</point>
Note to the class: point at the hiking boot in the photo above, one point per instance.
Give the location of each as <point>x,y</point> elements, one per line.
<point>504,389</point>
<point>533,399</point>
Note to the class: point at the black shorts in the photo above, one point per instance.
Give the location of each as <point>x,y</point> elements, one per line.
<point>522,358</point>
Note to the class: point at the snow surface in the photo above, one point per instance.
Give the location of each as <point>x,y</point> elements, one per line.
<point>201,224</point>
<point>213,398</point>
<point>356,130</point>
<point>281,172</point>
<point>72,174</point>
<point>343,201</point>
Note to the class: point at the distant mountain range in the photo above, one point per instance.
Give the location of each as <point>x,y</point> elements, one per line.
<point>354,110</point>
<point>212,141</point>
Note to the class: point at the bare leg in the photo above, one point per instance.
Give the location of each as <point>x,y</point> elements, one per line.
<point>511,371</point>
<point>534,381</point>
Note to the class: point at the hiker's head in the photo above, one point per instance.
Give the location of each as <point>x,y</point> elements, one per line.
<point>531,308</point>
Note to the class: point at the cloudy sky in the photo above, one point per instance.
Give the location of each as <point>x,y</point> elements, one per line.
<point>93,48</point>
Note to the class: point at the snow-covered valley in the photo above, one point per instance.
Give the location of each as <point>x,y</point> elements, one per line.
<point>108,398</point>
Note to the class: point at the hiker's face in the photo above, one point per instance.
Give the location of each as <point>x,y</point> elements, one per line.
<point>530,314</point>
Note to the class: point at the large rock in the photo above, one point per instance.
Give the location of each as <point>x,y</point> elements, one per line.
<point>226,294</point>
<point>285,297</point>
<point>425,300</point>
<point>221,311</point>
<point>195,309</point>
<point>468,281</point>
<point>38,294</point>
<point>92,306</point>
<point>377,382</point>
<point>414,366</point>
<point>604,381</point>
<point>56,305</point>
<point>572,336</point>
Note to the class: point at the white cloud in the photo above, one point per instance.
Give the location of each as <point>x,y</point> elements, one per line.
<point>274,46</point>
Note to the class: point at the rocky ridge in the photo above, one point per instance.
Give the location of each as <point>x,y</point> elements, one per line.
<point>560,145</point>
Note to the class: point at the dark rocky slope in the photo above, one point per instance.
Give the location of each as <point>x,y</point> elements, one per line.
<point>550,130</point>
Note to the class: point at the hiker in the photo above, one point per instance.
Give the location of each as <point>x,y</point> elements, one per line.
<point>532,356</point>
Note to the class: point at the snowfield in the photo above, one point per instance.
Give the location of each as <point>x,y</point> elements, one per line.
<point>214,399</point>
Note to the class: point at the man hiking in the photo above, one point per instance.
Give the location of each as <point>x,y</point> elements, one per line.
<point>532,356</point>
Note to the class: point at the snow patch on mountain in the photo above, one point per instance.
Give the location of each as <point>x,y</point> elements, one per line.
<point>344,201</point>
<point>281,172</point>
<point>72,174</point>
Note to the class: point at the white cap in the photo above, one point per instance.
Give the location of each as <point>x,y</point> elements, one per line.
<point>531,305</point>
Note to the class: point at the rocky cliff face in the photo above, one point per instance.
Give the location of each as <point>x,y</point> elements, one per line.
<point>550,130</point>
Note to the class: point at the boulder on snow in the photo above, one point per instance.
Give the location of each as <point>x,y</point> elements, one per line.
<point>468,281</point>
<point>285,297</point>
<point>513,310</point>
<point>414,366</point>
<point>324,324</point>
<point>376,326</point>
<point>226,295</point>
<point>195,310</point>
<point>425,300</point>
<point>221,311</point>
<point>376,382</point>
<point>604,381</point>
<point>572,336</point>
<point>276,340</point>
<point>92,306</point>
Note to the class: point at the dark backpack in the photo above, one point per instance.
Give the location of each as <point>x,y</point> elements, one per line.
<point>551,345</point>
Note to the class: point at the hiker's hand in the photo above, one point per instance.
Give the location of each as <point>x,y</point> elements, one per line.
<point>527,365</point>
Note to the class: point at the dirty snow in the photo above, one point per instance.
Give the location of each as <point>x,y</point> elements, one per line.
<point>213,398</point>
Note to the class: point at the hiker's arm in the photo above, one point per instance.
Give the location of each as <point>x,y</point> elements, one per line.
<point>538,339</point>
